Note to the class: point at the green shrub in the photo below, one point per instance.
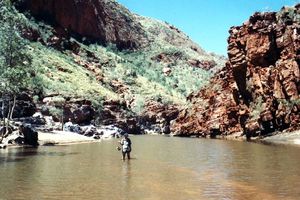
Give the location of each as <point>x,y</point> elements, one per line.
<point>139,104</point>
<point>257,108</point>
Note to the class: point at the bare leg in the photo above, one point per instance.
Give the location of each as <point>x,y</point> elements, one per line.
<point>123,155</point>
<point>128,155</point>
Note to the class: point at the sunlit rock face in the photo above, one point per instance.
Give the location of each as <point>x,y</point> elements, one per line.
<point>104,21</point>
<point>258,91</point>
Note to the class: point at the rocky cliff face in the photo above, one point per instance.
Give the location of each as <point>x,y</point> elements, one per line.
<point>104,21</point>
<point>258,90</point>
<point>135,72</point>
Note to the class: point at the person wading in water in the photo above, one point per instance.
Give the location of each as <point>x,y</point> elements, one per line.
<point>126,146</point>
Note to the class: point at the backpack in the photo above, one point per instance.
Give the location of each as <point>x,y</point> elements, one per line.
<point>126,145</point>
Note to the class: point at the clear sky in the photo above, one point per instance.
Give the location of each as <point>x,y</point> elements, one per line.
<point>206,21</point>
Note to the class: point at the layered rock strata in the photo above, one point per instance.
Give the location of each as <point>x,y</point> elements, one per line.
<point>258,91</point>
<point>103,21</point>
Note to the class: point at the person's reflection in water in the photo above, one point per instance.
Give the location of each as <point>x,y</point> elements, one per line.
<point>126,171</point>
<point>126,179</point>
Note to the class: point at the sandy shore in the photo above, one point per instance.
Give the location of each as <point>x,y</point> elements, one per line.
<point>63,137</point>
<point>284,138</point>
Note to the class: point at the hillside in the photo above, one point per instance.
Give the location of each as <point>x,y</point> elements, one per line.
<point>257,93</point>
<point>127,68</point>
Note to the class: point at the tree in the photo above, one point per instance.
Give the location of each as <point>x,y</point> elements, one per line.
<point>15,60</point>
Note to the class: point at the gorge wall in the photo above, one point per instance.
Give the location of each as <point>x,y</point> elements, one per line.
<point>102,20</point>
<point>95,61</point>
<point>258,91</point>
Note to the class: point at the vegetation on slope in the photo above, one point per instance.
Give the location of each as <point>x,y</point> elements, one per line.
<point>97,73</point>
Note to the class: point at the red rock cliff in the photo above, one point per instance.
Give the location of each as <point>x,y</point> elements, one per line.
<point>258,91</point>
<point>102,20</point>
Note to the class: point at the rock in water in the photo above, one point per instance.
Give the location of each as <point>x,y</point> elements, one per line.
<point>30,135</point>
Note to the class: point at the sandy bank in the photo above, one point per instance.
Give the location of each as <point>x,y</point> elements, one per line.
<point>284,138</point>
<point>62,137</point>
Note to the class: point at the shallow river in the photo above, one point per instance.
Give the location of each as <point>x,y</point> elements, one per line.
<point>162,168</point>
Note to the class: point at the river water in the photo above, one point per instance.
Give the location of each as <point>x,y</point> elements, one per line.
<point>162,168</point>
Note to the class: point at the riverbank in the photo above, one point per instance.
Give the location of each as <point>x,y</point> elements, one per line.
<point>287,138</point>
<point>62,138</point>
<point>67,137</point>
<point>55,138</point>
<point>292,138</point>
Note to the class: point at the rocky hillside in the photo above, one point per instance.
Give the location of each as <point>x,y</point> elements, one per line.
<point>258,91</point>
<point>95,60</point>
<point>98,21</point>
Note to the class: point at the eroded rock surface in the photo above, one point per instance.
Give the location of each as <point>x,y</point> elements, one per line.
<point>258,91</point>
<point>101,20</point>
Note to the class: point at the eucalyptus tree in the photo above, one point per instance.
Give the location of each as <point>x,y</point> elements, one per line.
<point>15,59</point>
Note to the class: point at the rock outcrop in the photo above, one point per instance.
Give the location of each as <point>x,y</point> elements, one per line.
<point>157,117</point>
<point>79,111</point>
<point>30,135</point>
<point>96,20</point>
<point>258,91</point>
<point>24,107</point>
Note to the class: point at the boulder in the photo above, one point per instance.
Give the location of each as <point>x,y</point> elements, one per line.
<point>30,135</point>
<point>14,138</point>
<point>37,119</point>
<point>83,114</point>
<point>45,110</point>
<point>157,117</point>
<point>24,109</point>
<point>79,111</point>
<point>116,113</point>
<point>90,131</point>
<point>70,127</point>
<point>110,131</point>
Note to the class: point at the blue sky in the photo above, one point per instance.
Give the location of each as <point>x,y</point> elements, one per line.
<point>206,21</point>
